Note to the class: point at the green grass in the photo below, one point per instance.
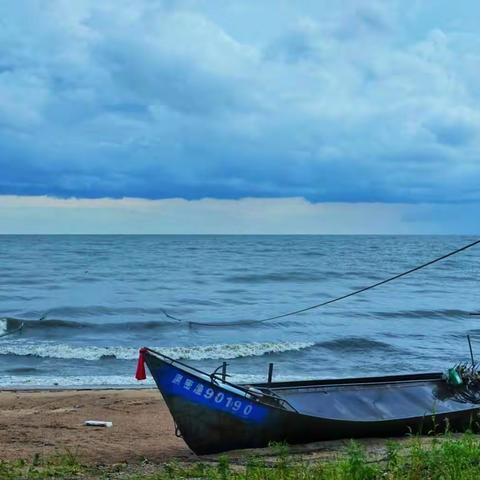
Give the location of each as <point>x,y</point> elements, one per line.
<point>443,458</point>
<point>59,466</point>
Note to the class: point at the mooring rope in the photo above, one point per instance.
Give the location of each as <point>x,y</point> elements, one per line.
<point>328,302</point>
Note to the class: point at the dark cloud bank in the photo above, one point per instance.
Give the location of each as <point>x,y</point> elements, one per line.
<point>327,101</point>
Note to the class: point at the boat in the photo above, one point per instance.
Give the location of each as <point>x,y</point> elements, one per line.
<point>214,415</point>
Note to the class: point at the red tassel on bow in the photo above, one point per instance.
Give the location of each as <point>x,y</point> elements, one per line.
<point>140,373</point>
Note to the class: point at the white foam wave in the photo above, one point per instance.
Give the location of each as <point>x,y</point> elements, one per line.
<point>84,381</point>
<point>107,381</point>
<point>200,352</point>
<point>3,325</point>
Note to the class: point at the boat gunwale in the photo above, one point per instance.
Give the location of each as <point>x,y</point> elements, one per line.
<point>412,377</point>
<point>360,381</point>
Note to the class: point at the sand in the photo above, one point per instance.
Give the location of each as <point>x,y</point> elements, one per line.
<point>51,422</point>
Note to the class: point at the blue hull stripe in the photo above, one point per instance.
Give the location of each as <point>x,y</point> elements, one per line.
<point>176,382</point>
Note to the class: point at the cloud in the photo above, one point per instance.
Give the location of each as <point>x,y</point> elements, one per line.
<point>330,101</point>
<point>47,215</point>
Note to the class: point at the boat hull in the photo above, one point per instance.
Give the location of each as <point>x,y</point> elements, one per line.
<point>213,417</point>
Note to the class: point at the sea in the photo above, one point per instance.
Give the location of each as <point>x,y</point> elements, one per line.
<point>89,302</point>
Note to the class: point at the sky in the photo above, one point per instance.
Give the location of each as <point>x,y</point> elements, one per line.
<point>196,116</point>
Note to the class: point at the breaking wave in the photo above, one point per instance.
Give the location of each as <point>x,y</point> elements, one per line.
<point>95,311</point>
<point>204,352</point>
<point>54,324</point>
<point>9,325</point>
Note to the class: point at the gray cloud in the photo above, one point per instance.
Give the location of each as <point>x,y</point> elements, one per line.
<point>329,101</point>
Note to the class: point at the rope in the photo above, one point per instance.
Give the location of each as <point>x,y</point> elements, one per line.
<point>328,302</point>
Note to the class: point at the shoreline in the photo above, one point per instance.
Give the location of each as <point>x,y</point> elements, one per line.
<point>61,388</point>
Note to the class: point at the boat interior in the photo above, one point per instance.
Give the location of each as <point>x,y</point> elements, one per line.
<point>370,399</point>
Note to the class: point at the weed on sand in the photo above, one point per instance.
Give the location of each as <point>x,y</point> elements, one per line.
<point>443,458</point>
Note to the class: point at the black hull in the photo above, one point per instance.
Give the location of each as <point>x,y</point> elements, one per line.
<point>211,427</point>
<point>207,432</point>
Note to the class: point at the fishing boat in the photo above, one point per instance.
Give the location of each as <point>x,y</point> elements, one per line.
<point>213,415</point>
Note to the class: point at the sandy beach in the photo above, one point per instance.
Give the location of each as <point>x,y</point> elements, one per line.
<point>50,422</point>
<point>46,423</point>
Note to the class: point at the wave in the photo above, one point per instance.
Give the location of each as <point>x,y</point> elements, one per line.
<point>21,370</point>
<point>297,277</point>
<point>95,311</point>
<point>203,352</point>
<point>167,323</point>
<point>426,313</point>
<point>9,325</point>
<point>87,381</point>
<point>356,344</point>
<point>20,298</point>
<point>72,324</point>
<point>58,324</point>
<point>99,381</point>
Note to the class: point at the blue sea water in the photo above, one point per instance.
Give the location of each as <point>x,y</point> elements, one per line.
<point>103,297</point>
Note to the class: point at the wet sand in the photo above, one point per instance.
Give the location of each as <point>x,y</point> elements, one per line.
<point>52,422</point>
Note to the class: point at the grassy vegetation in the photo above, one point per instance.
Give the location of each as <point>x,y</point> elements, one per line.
<point>443,458</point>
<point>60,466</point>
